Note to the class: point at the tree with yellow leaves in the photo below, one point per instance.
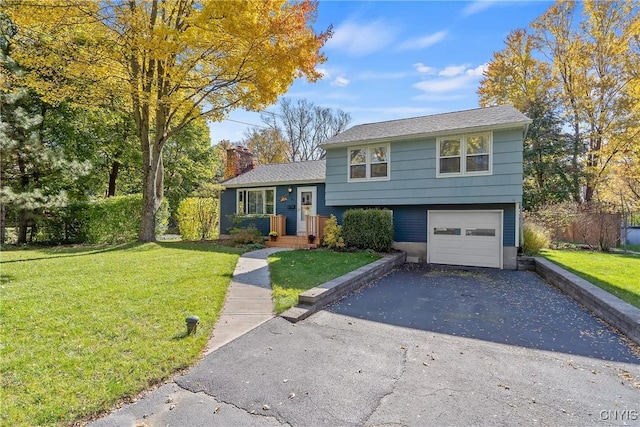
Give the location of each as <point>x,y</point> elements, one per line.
<point>173,61</point>
<point>586,59</point>
<point>515,76</point>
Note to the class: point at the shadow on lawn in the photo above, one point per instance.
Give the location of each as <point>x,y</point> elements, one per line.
<point>72,251</point>
<point>84,250</point>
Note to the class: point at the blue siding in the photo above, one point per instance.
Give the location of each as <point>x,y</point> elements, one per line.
<point>227,207</point>
<point>413,177</point>
<point>410,222</point>
<point>285,207</point>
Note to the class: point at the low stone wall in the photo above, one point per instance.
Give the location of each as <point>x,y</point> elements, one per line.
<point>618,313</point>
<point>314,299</point>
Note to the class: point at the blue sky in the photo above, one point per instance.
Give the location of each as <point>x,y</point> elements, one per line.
<point>389,60</point>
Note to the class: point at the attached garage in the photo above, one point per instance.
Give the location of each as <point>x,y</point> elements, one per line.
<point>472,238</point>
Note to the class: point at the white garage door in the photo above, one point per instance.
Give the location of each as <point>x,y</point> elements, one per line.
<point>471,238</point>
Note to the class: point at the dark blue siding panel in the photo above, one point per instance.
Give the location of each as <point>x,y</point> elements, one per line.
<point>227,207</point>
<point>285,205</point>
<point>410,223</point>
<point>261,223</point>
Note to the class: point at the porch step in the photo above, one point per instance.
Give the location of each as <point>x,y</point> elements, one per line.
<point>295,242</point>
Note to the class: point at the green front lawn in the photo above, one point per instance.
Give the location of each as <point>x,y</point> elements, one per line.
<point>293,272</point>
<point>84,327</point>
<point>616,273</point>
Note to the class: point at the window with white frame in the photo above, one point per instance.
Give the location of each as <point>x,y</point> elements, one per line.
<point>256,201</point>
<point>369,163</point>
<point>464,155</point>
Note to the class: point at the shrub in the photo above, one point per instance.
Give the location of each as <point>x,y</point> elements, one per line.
<point>65,225</point>
<point>333,234</point>
<point>535,238</point>
<point>118,219</point>
<point>368,229</point>
<point>198,218</point>
<point>595,224</point>
<point>246,235</point>
<point>111,220</point>
<point>115,219</point>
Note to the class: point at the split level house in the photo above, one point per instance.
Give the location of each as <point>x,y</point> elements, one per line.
<point>452,183</point>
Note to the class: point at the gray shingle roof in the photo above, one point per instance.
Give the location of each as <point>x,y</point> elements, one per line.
<point>281,173</point>
<point>500,116</point>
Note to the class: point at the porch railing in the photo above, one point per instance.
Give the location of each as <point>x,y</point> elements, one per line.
<point>315,226</point>
<point>278,223</point>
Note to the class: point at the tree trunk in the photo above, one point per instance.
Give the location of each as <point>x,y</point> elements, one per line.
<point>152,191</point>
<point>575,173</point>
<point>113,175</point>
<point>3,219</point>
<point>22,227</point>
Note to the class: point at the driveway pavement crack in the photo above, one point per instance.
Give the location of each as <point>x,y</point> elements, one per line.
<point>223,402</point>
<point>392,389</point>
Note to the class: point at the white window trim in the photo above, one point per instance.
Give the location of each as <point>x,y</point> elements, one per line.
<point>463,156</point>
<point>264,198</point>
<point>368,164</point>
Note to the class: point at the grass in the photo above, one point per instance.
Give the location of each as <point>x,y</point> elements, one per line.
<point>84,327</point>
<point>293,272</point>
<point>633,248</point>
<point>618,274</point>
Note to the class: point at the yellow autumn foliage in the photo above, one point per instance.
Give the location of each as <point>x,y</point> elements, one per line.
<point>170,61</point>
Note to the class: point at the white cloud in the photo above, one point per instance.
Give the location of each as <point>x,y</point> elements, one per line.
<point>423,42</point>
<point>378,75</point>
<point>424,69</point>
<point>477,7</point>
<point>325,73</point>
<point>444,85</point>
<point>453,70</point>
<point>428,97</point>
<point>477,72</point>
<point>340,81</point>
<point>450,79</point>
<point>360,39</point>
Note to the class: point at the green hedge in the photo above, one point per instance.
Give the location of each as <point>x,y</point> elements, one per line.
<point>66,225</point>
<point>111,220</point>
<point>198,218</point>
<point>368,229</point>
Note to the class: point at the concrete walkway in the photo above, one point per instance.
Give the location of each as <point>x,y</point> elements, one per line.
<point>248,302</point>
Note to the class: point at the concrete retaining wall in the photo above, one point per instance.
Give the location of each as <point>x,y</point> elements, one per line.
<point>618,313</point>
<point>314,299</point>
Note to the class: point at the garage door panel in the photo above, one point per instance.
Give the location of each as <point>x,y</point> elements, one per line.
<point>471,238</point>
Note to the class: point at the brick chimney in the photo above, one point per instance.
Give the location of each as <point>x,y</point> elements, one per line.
<point>239,161</point>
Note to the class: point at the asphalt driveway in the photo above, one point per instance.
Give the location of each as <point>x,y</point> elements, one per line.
<point>501,306</point>
<point>417,347</point>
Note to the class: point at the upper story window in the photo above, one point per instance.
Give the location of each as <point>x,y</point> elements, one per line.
<point>369,163</point>
<point>256,201</point>
<point>464,155</point>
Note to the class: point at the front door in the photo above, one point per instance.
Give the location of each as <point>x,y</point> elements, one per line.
<point>306,206</point>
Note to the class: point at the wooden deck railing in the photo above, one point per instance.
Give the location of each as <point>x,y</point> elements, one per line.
<point>315,226</point>
<point>278,223</point>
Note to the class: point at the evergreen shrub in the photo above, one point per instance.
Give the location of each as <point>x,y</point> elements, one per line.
<point>368,229</point>
<point>333,234</point>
